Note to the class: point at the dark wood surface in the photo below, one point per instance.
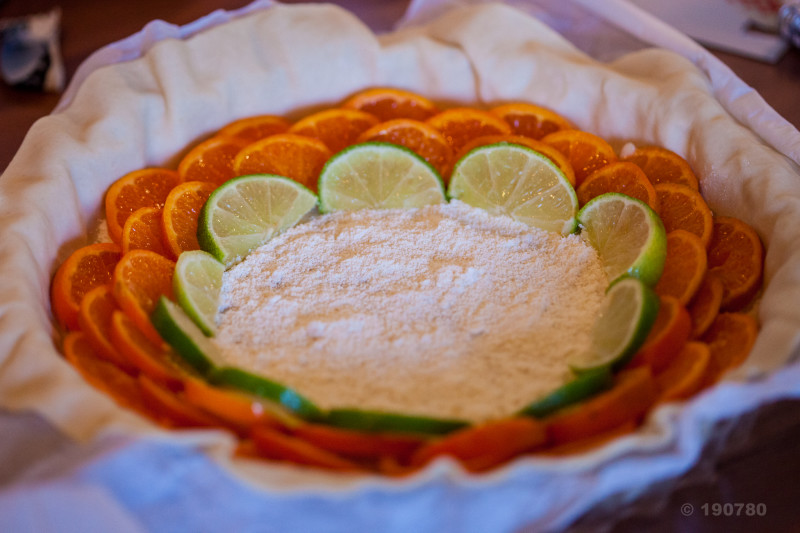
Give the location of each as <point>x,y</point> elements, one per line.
<point>769,473</point>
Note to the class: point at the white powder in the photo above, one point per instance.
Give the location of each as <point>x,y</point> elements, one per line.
<point>442,311</point>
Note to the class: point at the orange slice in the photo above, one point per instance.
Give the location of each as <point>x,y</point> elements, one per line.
<point>420,138</point>
<point>668,334</point>
<point>545,149</point>
<point>736,256</point>
<point>705,305</point>
<point>681,207</point>
<point>684,267</point>
<point>531,120</point>
<point>148,187</point>
<point>730,339</point>
<point>273,444</point>
<point>181,212</point>
<point>97,307</point>
<point>211,160</point>
<point>292,156</point>
<point>85,269</point>
<point>336,128</point>
<point>663,166</point>
<point>174,410</point>
<point>252,129</point>
<point>390,104</point>
<point>584,151</point>
<point>462,124</point>
<point>685,375</point>
<point>140,278</point>
<point>144,231</point>
<point>359,444</point>
<point>619,176</point>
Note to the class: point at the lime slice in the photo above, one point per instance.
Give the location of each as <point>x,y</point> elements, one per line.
<point>265,388</point>
<point>197,282</point>
<point>377,421</point>
<point>626,316</point>
<point>583,386</point>
<point>628,235</point>
<point>245,212</point>
<point>513,180</point>
<point>189,341</point>
<point>377,175</point>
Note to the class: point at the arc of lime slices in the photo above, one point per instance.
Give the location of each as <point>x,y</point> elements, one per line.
<point>516,181</point>
<point>627,234</point>
<point>245,212</point>
<point>377,175</point>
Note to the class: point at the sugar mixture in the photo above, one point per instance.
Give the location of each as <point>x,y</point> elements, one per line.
<point>441,311</point>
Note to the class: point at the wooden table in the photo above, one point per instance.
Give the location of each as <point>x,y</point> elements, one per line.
<point>768,474</point>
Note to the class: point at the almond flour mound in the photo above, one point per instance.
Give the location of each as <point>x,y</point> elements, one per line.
<point>441,311</point>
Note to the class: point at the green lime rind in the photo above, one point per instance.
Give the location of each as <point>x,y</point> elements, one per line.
<point>197,282</point>
<point>245,212</point>
<point>628,312</point>
<point>627,234</point>
<point>580,388</point>
<point>188,340</point>
<point>515,181</point>
<point>378,175</point>
<point>262,387</point>
<point>378,422</point>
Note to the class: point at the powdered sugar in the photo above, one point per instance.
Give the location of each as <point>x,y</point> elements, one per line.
<point>441,311</point>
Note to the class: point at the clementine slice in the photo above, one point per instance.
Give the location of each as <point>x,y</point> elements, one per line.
<point>252,129</point>
<point>174,410</point>
<point>211,160</point>
<point>86,268</point>
<point>685,374</point>
<point>669,333</point>
<point>143,230</point>
<point>736,256</point>
<point>619,176</point>
<point>462,124</point>
<point>389,104</point>
<point>292,156</point>
<point>730,339</point>
<point>705,305</point>
<point>531,120</point>
<point>95,319</point>
<point>353,443</point>
<point>419,137</point>
<point>663,166</point>
<point>181,212</point>
<point>681,207</point>
<point>140,278</point>
<point>148,187</point>
<point>684,268</point>
<point>336,128</point>
<point>584,151</point>
<point>590,443</point>
<point>272,444</point>
<point>545,149</point>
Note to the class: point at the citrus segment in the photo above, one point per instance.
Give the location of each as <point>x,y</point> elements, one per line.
<point>685,374</point>
<point>388,104</point>
<point>96,310</point>
<point>177,329</point>
<point>705,305</point>
<point>736,256</point>
<point>143,230</point>
<point>211,161</point>
<point>86,268</point>
<point>252,129</point>
<point>730,339</point>
<point>378,176</point>
<point>663,166</point>
<point>197,283</point>
<point>513,180</point>
<point>584,385</point>
<point>336,128</point>
<point>628,311</point>
<point>684,268</point>
<point>418,137</point>
<point>292,156</point>
<point>181,212</point>
<point>681,207</point>
<point>140,278</point>
<point>586,152</point>
<point>622,177</point>
<point>627,234</point>
<point>246,212</point>
<point>531,120</point>
<point>462,124</point>
<point>148,187</point>
<point>669,333</point>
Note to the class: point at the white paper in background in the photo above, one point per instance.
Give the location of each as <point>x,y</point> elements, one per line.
<point>270,61</point>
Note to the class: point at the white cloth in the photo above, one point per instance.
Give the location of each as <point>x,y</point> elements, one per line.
<point>291,59</point>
